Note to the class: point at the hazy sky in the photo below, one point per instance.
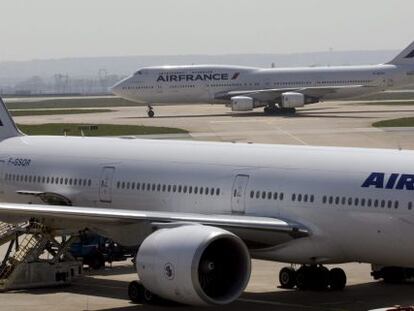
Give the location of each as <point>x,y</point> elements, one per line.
<point>33,29</point>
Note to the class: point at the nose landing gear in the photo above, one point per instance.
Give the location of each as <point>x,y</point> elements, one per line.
<point>150,112</point>
<point>315,277</point>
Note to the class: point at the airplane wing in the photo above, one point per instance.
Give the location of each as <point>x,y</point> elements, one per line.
<point>273,94</point>
<point>249,228</point>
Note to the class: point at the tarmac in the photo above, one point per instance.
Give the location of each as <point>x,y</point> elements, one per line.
<point>333,124</point>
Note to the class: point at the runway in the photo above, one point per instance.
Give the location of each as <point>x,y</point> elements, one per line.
<point>325,124</point>
<point>333,124</point>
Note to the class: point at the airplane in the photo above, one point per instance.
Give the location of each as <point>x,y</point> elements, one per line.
<point>200,211</point>
<point>278,90</point>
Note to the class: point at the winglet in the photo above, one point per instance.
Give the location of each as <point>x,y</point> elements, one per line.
<point>405,57</point>
<point>7,126</point>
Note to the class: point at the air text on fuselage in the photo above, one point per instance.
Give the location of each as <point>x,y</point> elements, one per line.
<point>393,181</point>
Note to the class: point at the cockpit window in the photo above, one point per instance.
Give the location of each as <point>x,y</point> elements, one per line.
<point>139,72</point>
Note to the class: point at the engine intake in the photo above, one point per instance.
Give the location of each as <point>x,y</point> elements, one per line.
<point>194,264</point>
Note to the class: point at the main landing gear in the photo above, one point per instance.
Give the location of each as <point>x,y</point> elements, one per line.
<point>393,275</point>
<point>315,277</point>
<point>275,110</point>
<point>150,112</point>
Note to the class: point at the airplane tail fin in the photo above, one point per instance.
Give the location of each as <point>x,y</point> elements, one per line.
<point>406,57</point>
<point>7,126</point>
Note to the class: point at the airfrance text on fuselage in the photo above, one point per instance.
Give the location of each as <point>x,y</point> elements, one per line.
<point>196,77</point>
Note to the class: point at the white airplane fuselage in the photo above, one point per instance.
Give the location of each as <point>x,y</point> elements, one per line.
<point>203,84</point>
<point>357,203</point>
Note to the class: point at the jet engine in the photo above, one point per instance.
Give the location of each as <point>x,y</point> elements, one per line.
<point>292,100</point>
<point>194,264</point>
<point>242,103</point>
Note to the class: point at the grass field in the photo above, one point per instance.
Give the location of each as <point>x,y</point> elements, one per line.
<point>96,129</point>
<point>81,102</point>
<point>402,122</point>
<point>19,113</point>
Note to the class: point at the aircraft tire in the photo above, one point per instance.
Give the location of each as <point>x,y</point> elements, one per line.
<point>287,278</point>
<point>320,278</point>
<point>136,292</point>
<point>337,279</point>
<point>303,278</point>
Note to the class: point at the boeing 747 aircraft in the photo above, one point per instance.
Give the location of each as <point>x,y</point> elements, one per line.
<point>247,88</point>
<point>200,211</point>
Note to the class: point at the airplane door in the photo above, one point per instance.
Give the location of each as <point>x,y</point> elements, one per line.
<point>105,186</point>
<point>2,176</point>
<point>238,195</point>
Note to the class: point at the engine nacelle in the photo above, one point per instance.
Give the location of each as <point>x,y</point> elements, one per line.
<point>242,103</point>
<point>292,100</point>
<point>194,264</point>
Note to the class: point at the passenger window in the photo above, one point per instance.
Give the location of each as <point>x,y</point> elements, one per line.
<point>158,187</point>
<point>337,200</point>
<point>66,182</point>
<point>164,187</point>
<point>281,196</point>
<point>218,191</point>
<point>190,189</point>
<point>127,185</point>
<point>257,194</point>
<point>350,201</point>
<point>251,194</point>
<point>269,195</point>
<point>396,203</point>
<point>293,197</point>
<point>148,187</point>
<point>201,190</point>
<point>169,188</point>
<point>123,185</point>
<point>179,188</point>
<point>312,198</point>
<point>75,182</point>
<point>153,187</point>
<point>343,201</point>
<point>389,204</point>
<point>376,203</point>
<point>195,190</point>
<point>133,185</point>
<point>263,195</point>
<point>369,203</point>
<point>330,200</point>
<point>275,196</point>
<point>410,205</point>
<point>174,188</point>
<point>185,189</point>
<point>206,190</point>
<point>299,197</point>
<point>382,203</point>
<point>89,182</point>
<point>362,202</point>
<point>324,199</point>
<point>305,198</point>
